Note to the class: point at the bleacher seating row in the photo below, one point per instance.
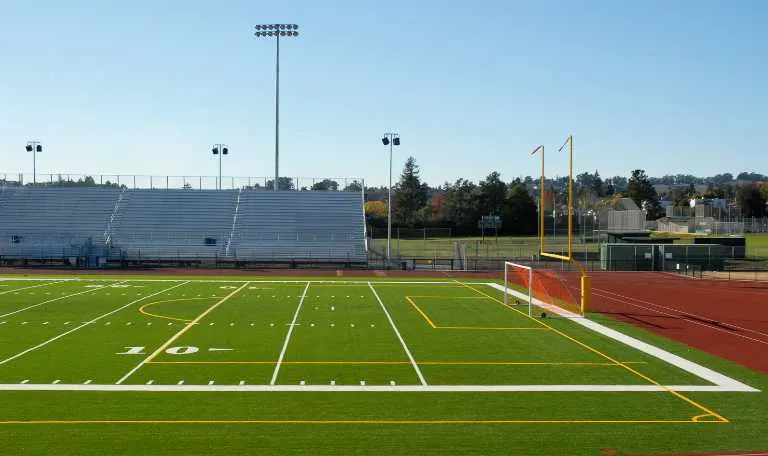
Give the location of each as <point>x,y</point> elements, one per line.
<point>227,225</point>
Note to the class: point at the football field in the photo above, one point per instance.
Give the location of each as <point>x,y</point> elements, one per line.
<point>106,352</point>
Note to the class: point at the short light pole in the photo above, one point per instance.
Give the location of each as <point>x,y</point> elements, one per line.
<point>35,147</point>
<point>390,139</point>
<point>277,31</point>
<point>220,149</point>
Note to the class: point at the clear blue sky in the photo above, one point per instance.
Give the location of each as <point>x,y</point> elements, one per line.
<point>148,86</point>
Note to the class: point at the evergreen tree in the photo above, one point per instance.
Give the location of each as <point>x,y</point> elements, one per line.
<point>641,191</point>
<point>410,195</point>
<point>492,193</point>
<point>597,185</point>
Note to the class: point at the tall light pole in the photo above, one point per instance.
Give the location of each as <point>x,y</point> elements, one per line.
<point>277,31</point>
<point>220,149</point>
<point>35,147</point>
<point>390,139</point>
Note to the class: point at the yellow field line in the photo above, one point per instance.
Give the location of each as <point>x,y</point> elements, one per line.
<point>521,363</point>
<point>609,358</point>
<point>364,284</point>
<point>332,422</point>
<point>408,298</point>
<point>181,332</point>
<point>185,320</point>
<point>432,363</point>
<point>492,328</point>
<point>450,297</point>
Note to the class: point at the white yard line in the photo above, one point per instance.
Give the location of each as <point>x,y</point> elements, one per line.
<point>402,342</point>
<point>722,381</point>
<point>53,300</point>
<point>365,388</point>
<point>255,282</point>
<point>288,336</point>
<point>27,288</point>
<point>55,338</point>
<point>180,332</point>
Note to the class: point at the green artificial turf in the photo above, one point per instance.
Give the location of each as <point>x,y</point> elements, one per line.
<point>72,332</point>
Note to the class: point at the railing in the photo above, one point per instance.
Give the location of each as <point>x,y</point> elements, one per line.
<point>134,181</point>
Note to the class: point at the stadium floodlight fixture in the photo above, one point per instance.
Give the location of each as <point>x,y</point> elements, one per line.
<point>220,149</point>
<point>35,147</point>
<point>277,31</point>
<point>390,139</point>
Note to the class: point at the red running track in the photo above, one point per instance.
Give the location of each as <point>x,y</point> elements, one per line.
<point>725,318</point>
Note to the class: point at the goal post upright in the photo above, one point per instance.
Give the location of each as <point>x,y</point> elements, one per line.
<point>585,280</point>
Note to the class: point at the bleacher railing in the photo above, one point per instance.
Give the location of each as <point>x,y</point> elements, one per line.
<point>136,181</point>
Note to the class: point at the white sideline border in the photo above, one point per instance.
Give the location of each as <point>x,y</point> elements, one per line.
<point>357,388</point>
<point>721,382</point>
<point>362,282</point>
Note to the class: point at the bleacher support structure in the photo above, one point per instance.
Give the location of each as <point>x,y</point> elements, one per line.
<point>93,225</point>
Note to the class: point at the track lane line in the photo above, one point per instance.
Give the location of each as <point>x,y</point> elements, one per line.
<point>682,312</point>
<point>680,316</point>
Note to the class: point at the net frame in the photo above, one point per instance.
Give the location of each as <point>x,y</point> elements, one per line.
<point>530,284</point>
<point>582,301</point>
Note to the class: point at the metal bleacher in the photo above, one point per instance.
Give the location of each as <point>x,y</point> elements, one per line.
<point>173,224</point>
<point>168,225</point>
<point>308,226</point>
<point>53,222</point>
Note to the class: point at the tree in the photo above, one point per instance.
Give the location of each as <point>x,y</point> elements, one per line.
<point>679,198</point>
<point>459,205</point>
<point>597,185</point>
<point>283,183</point>
<point>619,183</point>
<point>354,186</point>
<point>376,210</point>
<point>751,200</point>
<point>751,176</point>
<point>639,188</point>
<point>326,184</point>
<point>584,180</point>
<point>641,191</point>
<point>492,193</point>
<point>410,194</point>
<point>519,214</point>
<point>692,190</point>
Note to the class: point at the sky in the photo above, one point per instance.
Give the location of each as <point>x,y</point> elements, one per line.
<point>147,87</point>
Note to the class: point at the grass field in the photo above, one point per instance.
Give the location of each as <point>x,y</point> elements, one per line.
<point>526,246</point>
<point>503,247</point>
<point>125,365</point>
<point>757,245</point>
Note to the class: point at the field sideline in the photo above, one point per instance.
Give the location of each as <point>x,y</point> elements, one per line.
<point>386,354</point>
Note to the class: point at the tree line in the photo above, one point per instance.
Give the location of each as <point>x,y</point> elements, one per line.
<point>461,204</point>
